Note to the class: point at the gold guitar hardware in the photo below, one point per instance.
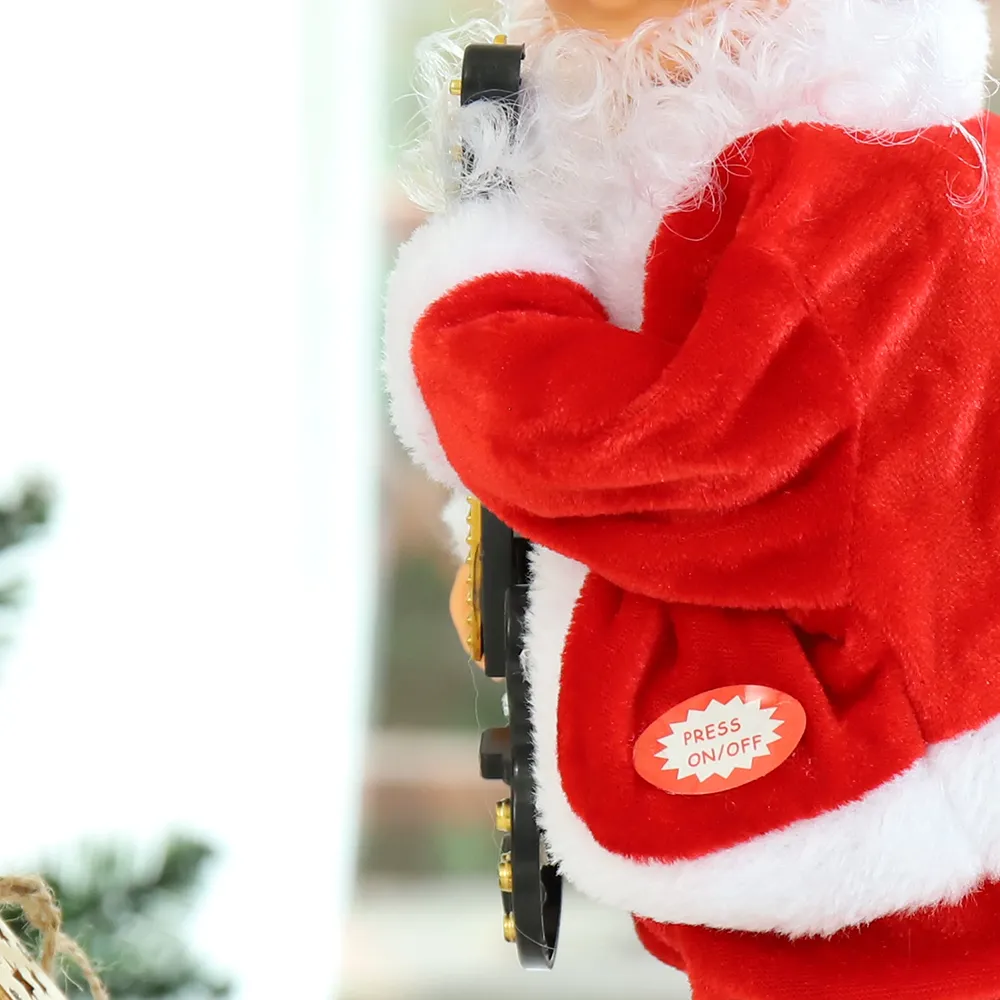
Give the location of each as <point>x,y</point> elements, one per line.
<point>506,874</point>
<point>504,817</point>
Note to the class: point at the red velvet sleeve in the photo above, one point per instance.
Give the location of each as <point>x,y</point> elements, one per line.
<point>625,450</point>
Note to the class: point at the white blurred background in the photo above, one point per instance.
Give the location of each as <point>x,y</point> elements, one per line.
<point>188,280</point>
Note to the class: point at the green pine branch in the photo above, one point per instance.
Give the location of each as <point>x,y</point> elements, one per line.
<point>125,913</point>
<point>25,513</point>
<point>127,916</point>
<point>22,517</point>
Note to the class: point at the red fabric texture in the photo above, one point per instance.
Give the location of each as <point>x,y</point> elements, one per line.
<point>788,477</point>
<point>861,728</point>
<point>951,953</point>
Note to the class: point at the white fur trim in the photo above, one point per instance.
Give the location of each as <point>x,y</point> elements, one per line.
<point>479,238</point>
<point>879,65</point>
<point>889,65</point>
<point>600,171</point>
<point>929,836</point>
<point>455,516</point>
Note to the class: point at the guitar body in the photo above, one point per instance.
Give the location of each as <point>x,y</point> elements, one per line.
<point>531,887</point>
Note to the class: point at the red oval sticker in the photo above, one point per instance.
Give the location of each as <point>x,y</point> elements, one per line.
<point>720,740</point>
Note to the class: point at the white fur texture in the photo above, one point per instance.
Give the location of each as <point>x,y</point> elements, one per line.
<point>611,129</point>
<point>455,517</point>
<point>477,238</point>
<point>929,836</point>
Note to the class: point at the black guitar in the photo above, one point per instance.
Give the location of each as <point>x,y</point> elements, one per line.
<point>530,887</point>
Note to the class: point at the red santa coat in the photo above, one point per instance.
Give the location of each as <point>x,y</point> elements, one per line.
<point>786,478</point>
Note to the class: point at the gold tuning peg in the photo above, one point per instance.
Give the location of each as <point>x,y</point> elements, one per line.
<point>504,819</point>
<point>500,40</point>
<point>505,872</point>
<point>509,930</point>
<point>455,88</point>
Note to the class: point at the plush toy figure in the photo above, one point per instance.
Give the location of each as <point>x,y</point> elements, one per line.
<point>717,327</point>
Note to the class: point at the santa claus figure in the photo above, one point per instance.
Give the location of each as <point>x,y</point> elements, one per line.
<point>716,325</point>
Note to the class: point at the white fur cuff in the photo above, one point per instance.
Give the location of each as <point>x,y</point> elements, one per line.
<point>477,239</point>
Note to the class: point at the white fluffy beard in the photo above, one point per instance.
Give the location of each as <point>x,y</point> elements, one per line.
<point>613,135</point>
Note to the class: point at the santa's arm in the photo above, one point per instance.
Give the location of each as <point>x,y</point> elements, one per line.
<point>550,413</point>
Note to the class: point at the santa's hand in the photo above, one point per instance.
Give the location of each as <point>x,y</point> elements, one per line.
<point>458,605</point>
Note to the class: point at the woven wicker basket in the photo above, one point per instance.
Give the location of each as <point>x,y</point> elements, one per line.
<point>21,977</point>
